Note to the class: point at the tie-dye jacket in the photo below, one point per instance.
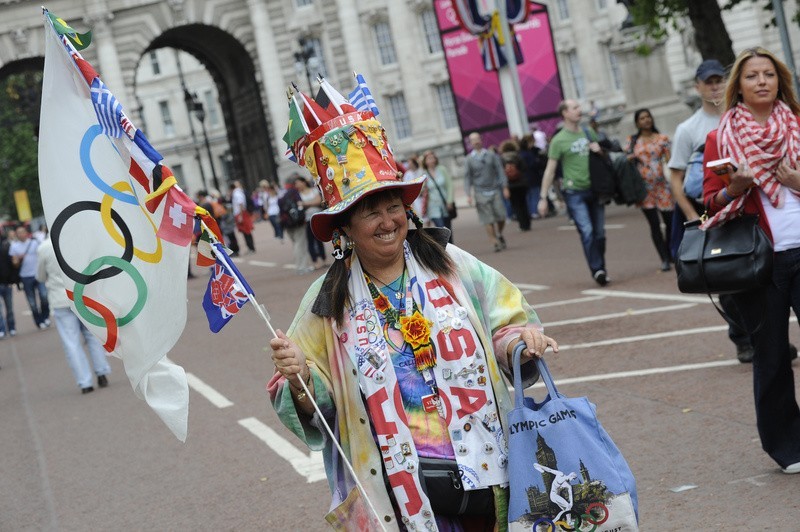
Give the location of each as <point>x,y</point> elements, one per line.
<point>502,310</point>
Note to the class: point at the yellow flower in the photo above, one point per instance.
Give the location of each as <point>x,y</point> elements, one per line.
<point>416,329</point>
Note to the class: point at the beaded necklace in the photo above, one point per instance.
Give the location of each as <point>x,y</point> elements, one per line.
<point>415,328</point>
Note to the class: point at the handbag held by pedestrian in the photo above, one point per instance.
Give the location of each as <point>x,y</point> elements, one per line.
<point>725,259</point>
<point>564,471</point>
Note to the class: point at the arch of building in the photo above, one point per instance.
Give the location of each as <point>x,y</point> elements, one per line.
<point>221,36</point>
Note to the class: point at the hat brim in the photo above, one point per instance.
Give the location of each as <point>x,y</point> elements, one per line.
<point>321,222</point>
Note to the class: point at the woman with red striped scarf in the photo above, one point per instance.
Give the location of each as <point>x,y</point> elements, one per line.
<point>760,133</point>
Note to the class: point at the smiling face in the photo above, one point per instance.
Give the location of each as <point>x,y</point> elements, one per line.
<point>378,230</point>
<point>758,82</point>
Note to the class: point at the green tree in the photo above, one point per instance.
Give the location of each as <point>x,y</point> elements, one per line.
<point>20,101</point>
<point>705,16</point>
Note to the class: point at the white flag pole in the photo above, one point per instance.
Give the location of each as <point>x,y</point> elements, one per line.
<point>262,311</point>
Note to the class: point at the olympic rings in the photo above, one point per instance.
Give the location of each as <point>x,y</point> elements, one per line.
<point>55,233</point>
<point>602,507</point>
<point>86,163</point>
<point>141,289</point>
<point>551,526</point>
<point>105,213</point>
<point>108,319</point>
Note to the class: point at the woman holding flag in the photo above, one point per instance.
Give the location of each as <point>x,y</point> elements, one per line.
<point>402,346</point>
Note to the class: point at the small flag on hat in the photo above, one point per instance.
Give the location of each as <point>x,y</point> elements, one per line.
<point>361,97</point>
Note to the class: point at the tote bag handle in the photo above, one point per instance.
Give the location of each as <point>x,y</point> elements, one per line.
<point>541,365</point>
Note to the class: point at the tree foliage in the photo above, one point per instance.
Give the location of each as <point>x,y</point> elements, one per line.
<point>20,101</point>
<point>705,16</point>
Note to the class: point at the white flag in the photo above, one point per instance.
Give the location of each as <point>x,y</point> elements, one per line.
<point>129,286</point>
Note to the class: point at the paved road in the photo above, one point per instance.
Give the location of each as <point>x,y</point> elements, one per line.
<point>657,363</point>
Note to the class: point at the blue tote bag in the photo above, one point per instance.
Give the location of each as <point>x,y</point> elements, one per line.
<point>564,471</point>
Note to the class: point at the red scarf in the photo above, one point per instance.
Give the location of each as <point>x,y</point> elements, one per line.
<point>764,148</point>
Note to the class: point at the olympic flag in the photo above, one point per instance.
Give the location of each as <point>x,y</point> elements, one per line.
<point>128,285</point>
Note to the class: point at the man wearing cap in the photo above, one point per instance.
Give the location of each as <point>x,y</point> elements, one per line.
<point>484,181</point>
<point>688,145</point>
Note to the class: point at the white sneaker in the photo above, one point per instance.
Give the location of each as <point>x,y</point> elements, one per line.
<point>43,326</point>
<point>2,335</point>
<point>12,332</point>
<point>47,322</point>
<point>792,469</point>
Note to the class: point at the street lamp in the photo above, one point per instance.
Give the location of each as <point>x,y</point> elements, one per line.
<point>200,113</point>
<point>305,60</point>
<point>190,105</point>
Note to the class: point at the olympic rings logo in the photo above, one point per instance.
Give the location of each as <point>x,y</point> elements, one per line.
<point>596,514</point>
<point>106,267</point>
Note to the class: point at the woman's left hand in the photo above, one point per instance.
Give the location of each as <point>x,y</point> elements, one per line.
<point>788,176</point>
<point>536,343</point>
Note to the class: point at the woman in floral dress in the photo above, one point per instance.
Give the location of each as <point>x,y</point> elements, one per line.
<point>650,149</point>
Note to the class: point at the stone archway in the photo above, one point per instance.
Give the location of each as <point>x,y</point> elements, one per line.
<point>232,69</point>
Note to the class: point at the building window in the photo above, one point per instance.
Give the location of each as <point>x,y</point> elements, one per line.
<point>616,74</point>
<point>383,39</point>
<point>166,118</point>
<point>177,171</point>
<point>576,73</point>
<point>400,116</point>
<point>154,63</point>
<point>563,9</point>
<point>303,3</point>
<point>212,111</point>
<point>446,105</point>
<point>601,4</point>
<point>431,28</point>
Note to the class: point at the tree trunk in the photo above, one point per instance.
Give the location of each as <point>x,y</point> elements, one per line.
<point>710,34</point>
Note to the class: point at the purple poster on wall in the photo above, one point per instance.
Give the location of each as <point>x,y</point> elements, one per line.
<point>477,92</point>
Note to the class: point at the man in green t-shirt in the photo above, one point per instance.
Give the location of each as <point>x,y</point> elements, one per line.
<point>570,147</point>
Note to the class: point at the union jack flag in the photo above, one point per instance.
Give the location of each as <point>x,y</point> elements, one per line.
<point>226,293</point>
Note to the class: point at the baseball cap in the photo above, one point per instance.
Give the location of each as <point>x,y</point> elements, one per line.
<point>708,68</point>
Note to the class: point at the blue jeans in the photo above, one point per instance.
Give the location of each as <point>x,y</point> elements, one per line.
<point>777,413</point>
<point>7,293</point>
<point>589,216</point>
<point>70,329</point>
<point>40,310</point>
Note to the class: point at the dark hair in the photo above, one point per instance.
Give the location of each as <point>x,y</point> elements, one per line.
<point>636,115</point>
<point>426,250</point>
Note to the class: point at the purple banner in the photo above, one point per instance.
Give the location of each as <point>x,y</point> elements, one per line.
<point>477,92</point>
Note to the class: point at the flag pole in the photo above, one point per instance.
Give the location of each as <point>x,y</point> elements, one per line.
<point>262,311</point>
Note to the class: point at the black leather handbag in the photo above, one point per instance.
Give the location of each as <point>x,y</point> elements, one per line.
<point>725,259</point>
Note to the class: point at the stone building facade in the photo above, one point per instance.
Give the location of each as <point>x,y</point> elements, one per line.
<point>239,56</point>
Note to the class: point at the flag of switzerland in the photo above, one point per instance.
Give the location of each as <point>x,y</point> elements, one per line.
<point>177,222</point>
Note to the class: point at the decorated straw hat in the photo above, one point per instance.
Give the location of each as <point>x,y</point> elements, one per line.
<point>344,147</point>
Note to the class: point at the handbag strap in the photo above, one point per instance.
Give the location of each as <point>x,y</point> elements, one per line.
<point>544,372</point>
<point>725,315</point>
<point>444,201</point>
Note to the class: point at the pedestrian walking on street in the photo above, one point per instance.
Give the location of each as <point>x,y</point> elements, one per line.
<point>517,177</point>
<point>71,330</point>
<point>650,149</point>
<point>439,187</point>
<point>760,133</point>
<point>571,147</point>
<point>9,277</point>
<point>270,196</point>
<point>686,180</point>
<point>311,200</point>
<point>403,328</point>
<point>24,255</point>
<point>293,221</point>
<point>485,185</point>
<point>242,215</point>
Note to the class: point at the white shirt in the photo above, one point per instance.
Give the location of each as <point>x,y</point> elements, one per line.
<point>29,262</point>
<point>783,221</point>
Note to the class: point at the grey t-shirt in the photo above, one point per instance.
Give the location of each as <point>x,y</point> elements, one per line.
<point>690,135</point>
